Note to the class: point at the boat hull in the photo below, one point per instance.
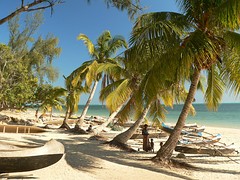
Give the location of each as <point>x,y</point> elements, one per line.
<point>27,159</point>
<point>22,164</point>
<point>20,129</point>
<point>204,150</point>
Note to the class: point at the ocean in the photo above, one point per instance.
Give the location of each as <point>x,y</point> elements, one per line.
<point>228,115</point>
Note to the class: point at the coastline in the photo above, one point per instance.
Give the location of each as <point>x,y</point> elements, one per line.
<point>90,159</point>
<point>227,116</point>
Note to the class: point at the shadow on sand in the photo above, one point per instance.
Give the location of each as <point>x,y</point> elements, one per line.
<point>85,155</point>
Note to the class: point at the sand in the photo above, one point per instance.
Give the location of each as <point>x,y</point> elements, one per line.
<point>91,159</point>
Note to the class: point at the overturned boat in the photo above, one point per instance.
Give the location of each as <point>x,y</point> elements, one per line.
<point>18,159</point>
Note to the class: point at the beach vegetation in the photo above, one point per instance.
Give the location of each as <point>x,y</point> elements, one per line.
<point>206,42</point>
<point>17,85</point>
<point>37,54</point>
<point>26,63</point>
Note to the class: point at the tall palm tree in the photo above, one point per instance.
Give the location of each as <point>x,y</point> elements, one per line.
<point>211,44</point>
<point>100,53</point>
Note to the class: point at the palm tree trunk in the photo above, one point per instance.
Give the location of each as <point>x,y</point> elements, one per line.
<point>165,153</point>
<point>51,112</point>
<point>122,138</point>
<point>36,114</point>
<point>98,129</point>
<point>84,112</point>
<point>65,124</point>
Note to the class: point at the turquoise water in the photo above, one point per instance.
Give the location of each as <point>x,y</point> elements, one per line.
<point>228,115</point>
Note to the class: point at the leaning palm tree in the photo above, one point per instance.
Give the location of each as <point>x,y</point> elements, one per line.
<point>138,78</point>
<point>211,45</point>
<point>100,53</point>
<point>155,94</point>
<point>119,92</point>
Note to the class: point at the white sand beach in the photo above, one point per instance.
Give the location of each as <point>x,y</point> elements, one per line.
<point>91,159</point>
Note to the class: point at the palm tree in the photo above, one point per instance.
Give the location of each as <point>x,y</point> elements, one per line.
<point>154,99</point>
<point>72,100</point>
<point>119,92</point>
<point>101,53</point>
<point>211,44</point>
<point>51,98</point>
<point>145,91</point>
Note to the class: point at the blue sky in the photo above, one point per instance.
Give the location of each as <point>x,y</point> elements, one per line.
<point>77,16</point>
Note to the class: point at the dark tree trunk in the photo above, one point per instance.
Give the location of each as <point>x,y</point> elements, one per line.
<point>121,139</point>
<point>65,124</point>
<point>165,153</point>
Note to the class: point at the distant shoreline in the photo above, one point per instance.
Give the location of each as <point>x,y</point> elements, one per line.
<point>227,117</point>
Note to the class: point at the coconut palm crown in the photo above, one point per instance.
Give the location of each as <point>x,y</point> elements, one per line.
<point>102,52</point>
<point>206,42</point>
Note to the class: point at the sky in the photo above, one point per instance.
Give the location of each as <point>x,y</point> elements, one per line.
<point>77,16</point>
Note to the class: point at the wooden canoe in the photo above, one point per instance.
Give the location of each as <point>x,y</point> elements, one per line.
<point>205,150</point>
<point>20,129</point>
<point>151,135</point>
<point>28,159</point>
<point>200,140</point>
<point>60,121</point>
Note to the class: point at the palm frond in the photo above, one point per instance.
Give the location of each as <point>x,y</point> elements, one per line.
<point>103,39</point>
<point>116,43</point>
<point>91,75</point>
<point>109,89</point>
<point>161,26</point>
<point>214,90</point>
<point>113,70</point>
<point>199,49</point>
<point>126,112</point>
<point>88,43</point>
<point>231,70</point>
<point>157,111</point>
<point>227,14</point>
<point>232,40</point>
<point>132,6</point>
<point>119,96</point>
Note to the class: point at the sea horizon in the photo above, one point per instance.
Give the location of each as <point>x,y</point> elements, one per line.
<point>227,115</point>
